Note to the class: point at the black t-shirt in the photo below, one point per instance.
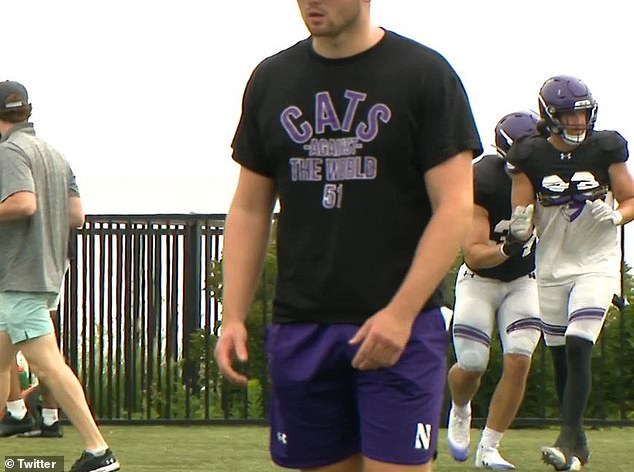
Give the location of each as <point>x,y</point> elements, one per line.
<point>492,191</point>
<point>347,142</point>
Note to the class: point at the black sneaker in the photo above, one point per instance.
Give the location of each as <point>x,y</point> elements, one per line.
<point>10,426</point>
<point>87,462</point>
<point>42,430</point>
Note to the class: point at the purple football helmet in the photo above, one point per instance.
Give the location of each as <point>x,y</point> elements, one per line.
<point>564,93</point>
<point>513,127</point>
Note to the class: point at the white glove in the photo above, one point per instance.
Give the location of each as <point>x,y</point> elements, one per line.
<point>521,224</point>
<point>601,211</point>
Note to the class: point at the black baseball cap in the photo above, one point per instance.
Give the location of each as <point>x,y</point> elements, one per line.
<point>12,95</point>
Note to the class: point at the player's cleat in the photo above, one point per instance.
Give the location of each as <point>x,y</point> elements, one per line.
<point>575,463</point>
<point>42,430</point>
<point>458,437</point>
<point>582,453</point>
<point>581,450</point>
<point>557,458</point>
<point>490,458</point>
<point>574,443</point>
<point>10,426</point>
<point>90,463</point>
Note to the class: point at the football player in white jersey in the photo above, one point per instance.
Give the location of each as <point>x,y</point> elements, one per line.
<point>494,287</point>
<point>573,176</point>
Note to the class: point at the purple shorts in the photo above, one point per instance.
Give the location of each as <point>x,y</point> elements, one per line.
<point>323,411</point>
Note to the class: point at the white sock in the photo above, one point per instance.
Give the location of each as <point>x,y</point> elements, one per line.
<point>463,411</point>
<point>97,452</point>
<point>17,408</point>
<point>490,438</point>
<point>49,416</point>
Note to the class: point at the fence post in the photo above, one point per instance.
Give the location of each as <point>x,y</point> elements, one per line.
<point>191,296</point>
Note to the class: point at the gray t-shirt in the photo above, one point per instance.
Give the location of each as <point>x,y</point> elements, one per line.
<point>33,250</point>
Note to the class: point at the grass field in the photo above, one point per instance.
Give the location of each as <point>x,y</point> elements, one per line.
<point>244,449</point>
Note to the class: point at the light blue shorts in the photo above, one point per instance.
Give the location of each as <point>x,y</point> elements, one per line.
<point>26,315</point>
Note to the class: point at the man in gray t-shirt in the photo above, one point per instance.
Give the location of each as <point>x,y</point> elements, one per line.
<point>39,203</point>
<point>33,255</point>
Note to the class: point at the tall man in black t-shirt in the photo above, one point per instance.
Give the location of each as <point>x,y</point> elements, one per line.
<point>366,139</point>
<point>495,286</point>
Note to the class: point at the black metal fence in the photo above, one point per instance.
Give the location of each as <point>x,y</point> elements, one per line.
<point>134,297</point>
<point>138,320</point>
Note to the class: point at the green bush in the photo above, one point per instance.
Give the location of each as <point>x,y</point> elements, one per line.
<point>613,359</point>
<point>211,397</point>
<point>249,403</point>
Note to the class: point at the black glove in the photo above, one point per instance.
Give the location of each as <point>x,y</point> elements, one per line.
<point>511,246</point>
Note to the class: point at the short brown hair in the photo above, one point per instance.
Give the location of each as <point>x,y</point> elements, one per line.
<point>16,115</point>
<point>14,102</point>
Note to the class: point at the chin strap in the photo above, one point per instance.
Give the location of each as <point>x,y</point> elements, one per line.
<point>573,139</point>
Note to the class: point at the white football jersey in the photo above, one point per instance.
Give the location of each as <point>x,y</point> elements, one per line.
<point>573,242</point>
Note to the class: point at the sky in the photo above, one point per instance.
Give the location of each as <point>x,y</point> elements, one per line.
<point>143,96</point>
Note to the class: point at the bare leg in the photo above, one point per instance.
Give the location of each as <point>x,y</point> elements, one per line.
<point>48,364</point>
<point>48,399</point>
<point>509,393</point>
<point>463,384</point>
<point>7,360</point>
<point>504,405</point>
<point>15,387</point>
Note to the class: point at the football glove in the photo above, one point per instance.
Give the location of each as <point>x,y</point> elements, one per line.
<point>601,211</point>
<point>511,246</point>
<point>521,224</point>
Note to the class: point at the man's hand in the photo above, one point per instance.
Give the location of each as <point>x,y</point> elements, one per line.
<point>511,246</point>
<point>232,344</point>
<point>521,225</point>
<point>601,211</point>
<point>382,339</point>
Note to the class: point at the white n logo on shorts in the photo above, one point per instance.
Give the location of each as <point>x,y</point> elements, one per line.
<point>423,436</point>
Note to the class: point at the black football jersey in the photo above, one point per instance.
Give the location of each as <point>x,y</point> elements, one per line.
<point>492,191</point>
<point>569,178</point>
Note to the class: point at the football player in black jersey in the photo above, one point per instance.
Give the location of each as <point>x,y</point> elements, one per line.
<point>495,287</point>
<point>574,176</point>
<point>366,139</point>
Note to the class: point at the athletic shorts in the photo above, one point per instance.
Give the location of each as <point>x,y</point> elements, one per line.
<point>323,410</point>
<point>576,308</point>
<point>26,315</point>
<point>483,303</point>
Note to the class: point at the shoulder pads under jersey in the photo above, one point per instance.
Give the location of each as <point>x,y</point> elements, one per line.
<point>610,141</point>
<point>520,152</point>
